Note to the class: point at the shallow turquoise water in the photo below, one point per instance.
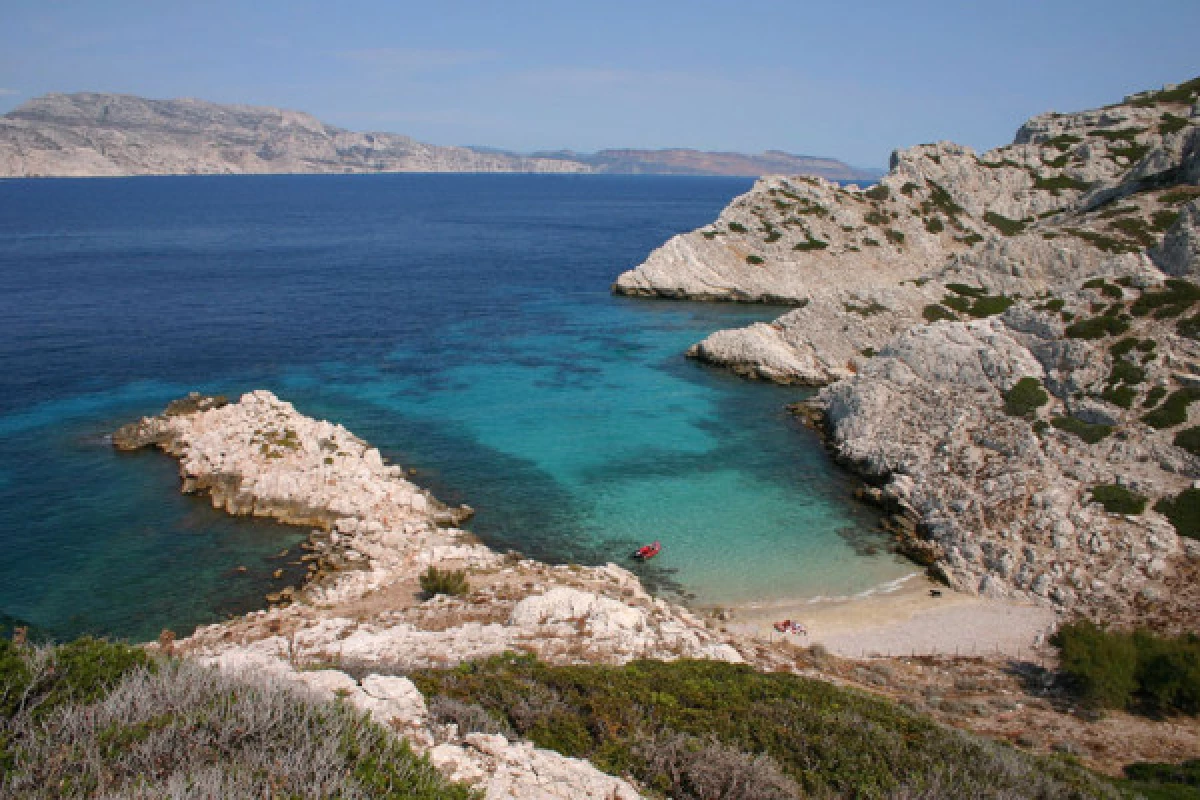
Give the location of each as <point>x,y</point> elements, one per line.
<point>461,323</point>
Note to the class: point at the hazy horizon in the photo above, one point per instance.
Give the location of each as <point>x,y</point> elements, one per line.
<point>852,83</point>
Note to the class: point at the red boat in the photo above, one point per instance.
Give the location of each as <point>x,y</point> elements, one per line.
<point>647,552</point>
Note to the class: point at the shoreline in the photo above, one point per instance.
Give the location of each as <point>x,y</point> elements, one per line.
<point>902,618</point>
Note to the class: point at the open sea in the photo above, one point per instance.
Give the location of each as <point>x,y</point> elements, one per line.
<point>461,323</point>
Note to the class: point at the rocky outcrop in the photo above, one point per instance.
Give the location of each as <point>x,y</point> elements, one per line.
<point>361,606</point>
<point>1045,262</point>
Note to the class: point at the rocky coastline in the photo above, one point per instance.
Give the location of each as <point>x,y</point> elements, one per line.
<point>361,611</point>
<point>1006,345</point>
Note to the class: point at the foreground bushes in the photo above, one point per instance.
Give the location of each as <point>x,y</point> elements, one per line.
<point>1136,670</point>
<point>699,729</point>
<point>92,718</point>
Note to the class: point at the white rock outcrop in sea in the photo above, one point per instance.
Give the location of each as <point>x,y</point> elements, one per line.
<point>361,605</point>
<point>924,300</point>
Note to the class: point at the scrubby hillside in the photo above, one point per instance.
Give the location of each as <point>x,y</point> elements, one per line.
<point>1010,345</point>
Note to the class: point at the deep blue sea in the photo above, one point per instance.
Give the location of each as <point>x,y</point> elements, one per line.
<point>462,323</point>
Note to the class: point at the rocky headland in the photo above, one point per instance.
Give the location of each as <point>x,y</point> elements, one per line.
<point>96,134</point>
<point>1008,343</point>
<point>361,610</point>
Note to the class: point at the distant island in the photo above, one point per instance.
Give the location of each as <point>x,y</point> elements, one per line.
<point>93,134</point>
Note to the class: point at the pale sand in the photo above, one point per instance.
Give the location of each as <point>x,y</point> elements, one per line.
<point>903,619</point>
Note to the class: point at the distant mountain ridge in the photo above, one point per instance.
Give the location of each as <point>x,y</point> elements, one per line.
<point>94,134</point>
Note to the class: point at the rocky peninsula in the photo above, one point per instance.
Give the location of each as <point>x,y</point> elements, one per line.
<point>361,610</point>
<point>1008,345</point>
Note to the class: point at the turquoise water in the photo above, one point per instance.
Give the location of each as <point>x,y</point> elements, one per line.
<point>461,323</point>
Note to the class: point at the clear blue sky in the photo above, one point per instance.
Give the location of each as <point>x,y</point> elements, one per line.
<point>852,80</point>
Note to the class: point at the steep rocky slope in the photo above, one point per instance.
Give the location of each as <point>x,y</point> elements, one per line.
<point>1009,342</point>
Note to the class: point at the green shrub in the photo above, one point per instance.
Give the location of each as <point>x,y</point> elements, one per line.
<point>1118,500</point>
<point>755,260</point>
<point>1139,670</point>
<point>1162,220</point>
<point>894,236</point>
<point>810,243</point>
<point>875,217</point>
<point>934,225</point>
<point>1189,327</point>
<point>1178,297</point>
<point>1126,372</point>
<point>1009,227</point>
<point>1108,244</point>
<point>1189,439</point>
<point>1106,288</point>
<point>81,671</point>
<point>826,740</point>
<point>908,188</point>
<point>964,290</point>
<point>1025,398</point>
<point>1174,411</point>
<point>1153,396</point>
<point>1096,327</point>
<point>454,582</point>
<point>1183,511</point>
<point>1062,142</point>
<point>1122,396</point>
<point>1089,432</point>
<point>934,313</point>
<point>1159,781</point>
<point>1100,667</point>
<point>1058,183</point>
<point>878,192</point>
<point>737,227</point>
<point>1183,93</point>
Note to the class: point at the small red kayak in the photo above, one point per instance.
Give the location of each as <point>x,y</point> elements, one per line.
<point>647,552</point>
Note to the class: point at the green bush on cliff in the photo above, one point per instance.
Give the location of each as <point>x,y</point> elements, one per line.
<point>670,724</point>
<point>755,260</point>
<point>1008,227</point>
<point>1088,431</point>
<point>1097,327</point>
<point>1118,500</point>
<point>1178,296</point>
<point>1174,410</point>
<point>934,313</point>
<point>1025,398</point>
<point>1183,511</point>
<point>1189,439</point>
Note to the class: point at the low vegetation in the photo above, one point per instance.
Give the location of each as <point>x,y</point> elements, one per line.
<point>1009,227</point>
<point>1183,510</point>
<point>1118,500</point>
<point>1177,297</point>
<point>700,729</point>
<point>452,582</point>
<point>1174,410</point>
<point>1088,431</point>
<point>1025,398</point>
<point>93,719</point>
<point>1097,327</point>
<point>810,243</point>
<point>935,313</point>
<point>1140,671</point>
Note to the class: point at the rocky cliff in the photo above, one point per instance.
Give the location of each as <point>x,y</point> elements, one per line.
<point>89,134</point>
<point>1009,342</point>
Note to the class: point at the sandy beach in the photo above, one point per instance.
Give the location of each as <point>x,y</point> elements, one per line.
<point>904,618</point>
